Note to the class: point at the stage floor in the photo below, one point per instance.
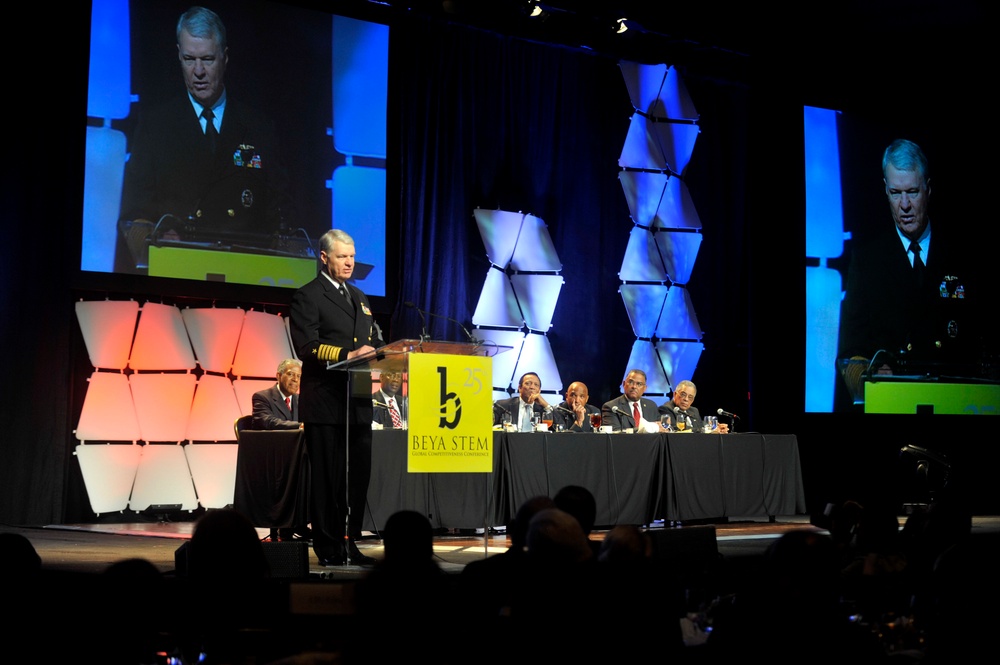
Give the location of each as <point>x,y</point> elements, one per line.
<point>92,547</point>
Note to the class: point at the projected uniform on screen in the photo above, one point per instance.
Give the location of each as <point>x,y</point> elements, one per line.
<point>203,166</point>
<point>910,297</point>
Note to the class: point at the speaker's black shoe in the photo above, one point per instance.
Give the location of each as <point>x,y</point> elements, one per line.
<point>329,562</point>
<point>357,558</point>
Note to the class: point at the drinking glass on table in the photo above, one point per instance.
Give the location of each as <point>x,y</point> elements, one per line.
<point>667,422</point>
<point>505,419</point>
<point>595,421</point>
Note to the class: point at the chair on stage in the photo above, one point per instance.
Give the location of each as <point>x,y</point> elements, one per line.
<point>242,423</point>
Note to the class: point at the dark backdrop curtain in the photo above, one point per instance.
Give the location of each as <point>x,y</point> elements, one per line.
<point>499,123</point>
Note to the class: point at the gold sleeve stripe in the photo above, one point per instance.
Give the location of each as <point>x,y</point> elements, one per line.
<point>329,352</point>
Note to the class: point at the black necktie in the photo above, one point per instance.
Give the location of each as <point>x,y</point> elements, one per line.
<point>344,292</point>
<point>210,132</point>
<point>918,264</point>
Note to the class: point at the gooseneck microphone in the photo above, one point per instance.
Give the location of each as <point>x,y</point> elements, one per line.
<point>615,409</point>
<point>726,413</point>
<point>468,335</point>
<point>423,322</point>
<point>379,404</point>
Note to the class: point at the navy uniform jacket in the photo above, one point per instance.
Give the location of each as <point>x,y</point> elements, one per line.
<point>271,412</point>
<point>323,332</point>
<point>243,188</point>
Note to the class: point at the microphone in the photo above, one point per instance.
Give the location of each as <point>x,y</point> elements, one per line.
<point>687,416</point>
<point>379,404</point>
<point>468,335</point>
<point>615,409</point>
<point>496,405</point>
<point>565,410</point>
<point>726,413</point>
<point>423,321</point>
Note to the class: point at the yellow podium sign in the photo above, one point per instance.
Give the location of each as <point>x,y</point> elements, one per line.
<point>451,414</point>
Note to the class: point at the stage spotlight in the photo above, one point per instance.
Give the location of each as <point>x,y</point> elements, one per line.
<point>536,10</point>
<point>621,25</point>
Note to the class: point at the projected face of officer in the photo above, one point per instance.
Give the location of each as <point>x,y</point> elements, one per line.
<point>203,63</point>
<point>909,195</point>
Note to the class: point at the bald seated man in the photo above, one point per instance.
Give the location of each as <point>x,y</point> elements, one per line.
<point>574,414</point>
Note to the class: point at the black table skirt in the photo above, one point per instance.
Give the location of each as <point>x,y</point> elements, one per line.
<point>635,478</point>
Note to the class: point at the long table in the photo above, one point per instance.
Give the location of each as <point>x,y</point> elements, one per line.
<point>636,478</point>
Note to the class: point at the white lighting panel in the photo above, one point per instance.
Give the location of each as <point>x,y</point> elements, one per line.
<point>536,356</point>
<point>264,343</point>
<point>107,327</point>
<point>644,304</point>
<point>163,478</point>
<point>504,364</point>
<point>497,304</point>
<point>108,414</point>
<point>161,340</point>
<point>163,405</point>
<point>108,474</point>
<point>213,470</point>
<point>214,410</point>
<point>537,295</point>
<point>499,230</point>
<point>214,334</point>
<point>245,388</point>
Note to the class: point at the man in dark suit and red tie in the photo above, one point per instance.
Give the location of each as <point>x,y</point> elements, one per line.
<point>277,407</point>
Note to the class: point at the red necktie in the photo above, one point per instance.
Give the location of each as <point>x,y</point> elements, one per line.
<point>635,413</point>
<point>288,402</point>
<point>396,422</point>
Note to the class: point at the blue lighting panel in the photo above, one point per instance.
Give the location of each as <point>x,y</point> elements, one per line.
<point>658,145</point>
<point>679,359</point>
<point>641,262</point>
<point>657,90</point>
<point>534,250</point>
<point>677,210</point>
<point>102,196</point>
<point>537,295</point>
<point>359,209</point>
<point>497,303</point>
<point>679,251</point>
<point>824,200</point>
<point>644,357</point>
<point>499,230</point>
<point>644,194</point>
<point>678,320</point>
<point>110,90</point>
<point>644,304</point>
<point>360,86</point>
<point>824,289</point>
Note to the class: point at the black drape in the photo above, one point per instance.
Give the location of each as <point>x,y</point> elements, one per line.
<point>488,121</point>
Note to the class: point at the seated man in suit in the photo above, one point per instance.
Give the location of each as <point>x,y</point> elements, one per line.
<point>389,406</point>
<point>631,411</point>
<point>681,408</point>
<point>574,414</point>
<point>277,407</point>
<point>529,400</point>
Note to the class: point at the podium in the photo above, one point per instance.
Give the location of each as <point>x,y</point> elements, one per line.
<point>453,400</point>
